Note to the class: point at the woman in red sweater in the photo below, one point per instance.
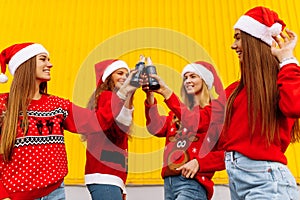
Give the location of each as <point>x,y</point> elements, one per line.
<point>262,109</point>
<point>190,159</point>
<point>107,150</point>
<point>33,161</point>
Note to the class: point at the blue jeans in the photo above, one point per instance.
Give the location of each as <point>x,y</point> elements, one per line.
<point>181,188</point>
<point>58,194</point>
<point>105,192</point>
<point>256,179</point>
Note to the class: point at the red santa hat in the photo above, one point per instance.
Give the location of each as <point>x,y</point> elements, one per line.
<point>17,54</point>
<point>105,68</point>
<point>262,23</point>
<point>208,73</point>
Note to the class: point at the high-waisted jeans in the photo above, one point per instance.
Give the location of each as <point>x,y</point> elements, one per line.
<point>255,179</point>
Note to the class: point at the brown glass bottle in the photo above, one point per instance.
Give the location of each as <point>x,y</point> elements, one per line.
<point>151,69</point>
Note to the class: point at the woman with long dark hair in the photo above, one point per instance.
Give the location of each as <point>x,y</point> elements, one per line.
<point>262,109</point>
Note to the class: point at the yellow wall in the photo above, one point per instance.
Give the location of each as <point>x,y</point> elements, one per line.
<point>173,32</point>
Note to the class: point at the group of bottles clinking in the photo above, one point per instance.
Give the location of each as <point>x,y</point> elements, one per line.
<point>145,69</point>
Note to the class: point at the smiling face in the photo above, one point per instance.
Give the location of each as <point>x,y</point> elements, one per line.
<point>237,44</point>
<point>193,83</point>
<point>119,76</point>
<point>43,67</point>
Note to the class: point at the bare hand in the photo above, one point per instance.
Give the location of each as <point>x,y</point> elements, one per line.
<point>283,48</point>
<point>126,86</point>
<point>189,169</point>
<point>164,90</point>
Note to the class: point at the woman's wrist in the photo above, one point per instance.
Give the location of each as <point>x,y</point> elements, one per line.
<point>288,60</point>
<point>150,98</point>
<point>166,93</point>
<point>122,93</point>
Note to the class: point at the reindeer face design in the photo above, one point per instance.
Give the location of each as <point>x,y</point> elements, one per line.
<point>178,154</point>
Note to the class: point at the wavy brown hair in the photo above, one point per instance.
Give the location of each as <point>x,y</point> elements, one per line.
<point>107,85</point>
<point>259,71</point>
<point>21,92</point>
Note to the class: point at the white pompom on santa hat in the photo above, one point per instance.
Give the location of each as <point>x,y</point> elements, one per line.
<point>262,23</point>
<point>17,54</point>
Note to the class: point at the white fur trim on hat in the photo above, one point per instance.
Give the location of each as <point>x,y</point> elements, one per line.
<point>23,55</point>
<point>118,64</point>
<point>257,29</point>
<point>201,71</point>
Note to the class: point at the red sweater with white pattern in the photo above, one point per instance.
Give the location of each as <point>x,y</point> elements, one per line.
<point>39,162</point>
<point>192,142</point>
<point>238,137</point>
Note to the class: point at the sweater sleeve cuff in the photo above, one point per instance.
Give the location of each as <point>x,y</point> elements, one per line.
<point>121,95</point>
<point>125,116</point>
<point>3,192</point>
<point>288,61</point>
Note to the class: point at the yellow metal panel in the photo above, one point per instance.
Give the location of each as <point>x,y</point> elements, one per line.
<point>80,33</point>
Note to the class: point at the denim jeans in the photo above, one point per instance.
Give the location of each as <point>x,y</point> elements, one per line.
<point>181,188</point>
<point>104,192</point>
<point>255,179</point>
<point>58,194</point>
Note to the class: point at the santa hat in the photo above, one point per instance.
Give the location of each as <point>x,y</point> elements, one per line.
<point>262,23</point>
<point>208,73</point>
<point>17,54</point>
<point>105,68</point>
<point>199,69</point>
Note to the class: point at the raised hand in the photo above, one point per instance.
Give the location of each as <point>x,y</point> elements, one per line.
<point>283,48</point>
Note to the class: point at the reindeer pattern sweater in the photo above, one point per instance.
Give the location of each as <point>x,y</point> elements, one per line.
<point>184,145</point>
<point>39,162</point>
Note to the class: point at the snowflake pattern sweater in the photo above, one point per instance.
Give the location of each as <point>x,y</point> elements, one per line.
<point>185,145</point>
<point>39,162</point>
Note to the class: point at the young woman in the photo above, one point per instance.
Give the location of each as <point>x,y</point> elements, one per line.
<point>33,161</point>
<point>262,110</point>
<point>106,164</point>
<point>187,171</point>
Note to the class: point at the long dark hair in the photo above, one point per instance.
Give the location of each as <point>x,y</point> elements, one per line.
<point>259,71</point>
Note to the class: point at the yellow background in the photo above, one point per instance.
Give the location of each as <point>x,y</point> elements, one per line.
<point>79,33</point>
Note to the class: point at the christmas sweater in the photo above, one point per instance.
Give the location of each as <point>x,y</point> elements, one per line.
<point>106,153</point>
<point>39,161</point>
<point>238,137</point>
<point>191,141</point>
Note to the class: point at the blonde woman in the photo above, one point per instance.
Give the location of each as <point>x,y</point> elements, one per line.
<point>187,172</point>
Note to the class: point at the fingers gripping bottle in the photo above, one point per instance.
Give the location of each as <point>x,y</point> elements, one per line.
<point>151,69</point>
<point>140,69</point>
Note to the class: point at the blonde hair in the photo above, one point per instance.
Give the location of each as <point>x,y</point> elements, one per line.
<point>21,92</point>
<point>188,99</point>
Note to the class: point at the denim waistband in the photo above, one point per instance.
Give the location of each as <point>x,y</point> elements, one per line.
<point>232,155</point>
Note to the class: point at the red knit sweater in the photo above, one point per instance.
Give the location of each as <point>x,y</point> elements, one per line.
<point>39,162</point>
<point>238,137</point>
<point>185,145</point>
